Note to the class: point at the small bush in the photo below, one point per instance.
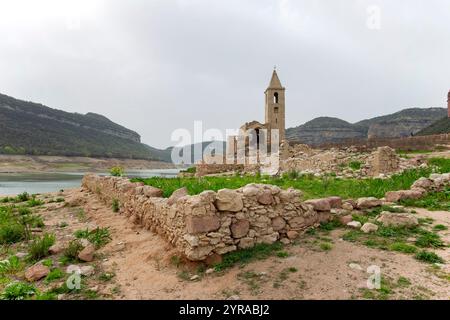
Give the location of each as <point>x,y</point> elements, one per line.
<point>33,202</point>
<point>107,276</point>
<point>55,274</point>
<point>36,222</point>
<point>429,239</point>
<point>72,251</point>
<point>440,227</point>
<point>330,225</point>
<point>282,254</point>
<point>39,247</point>
<point>10,266</point>
<point>325,246</point>
<point>115,205</point>
<point>355,165</point>
<point>12,233</point>
<point>81,234</point>
<point>23,211</point>
<point>117,171</point>
<point>18,291</point>
<point>292,175</point>
<point>429,257</point>
<point>98,237</point>
<point>403,282</point>
<point>23,197</point>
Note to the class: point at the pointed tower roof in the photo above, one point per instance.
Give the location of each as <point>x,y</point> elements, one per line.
<point>275,82</point>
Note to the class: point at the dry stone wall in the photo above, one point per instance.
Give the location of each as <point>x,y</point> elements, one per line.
<point>214,223</point>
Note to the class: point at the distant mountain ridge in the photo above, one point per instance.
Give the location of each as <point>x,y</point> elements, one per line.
<point>32,128</point>
<point>439,127</point>
<point>404,123</point>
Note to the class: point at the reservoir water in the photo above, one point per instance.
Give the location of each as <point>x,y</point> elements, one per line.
<point>15,183</point>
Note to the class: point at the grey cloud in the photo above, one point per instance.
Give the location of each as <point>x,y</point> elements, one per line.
<point>155,66</point>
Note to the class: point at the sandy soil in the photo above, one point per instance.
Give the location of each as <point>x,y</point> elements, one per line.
<point>144,269</point>
<point>39,164</point>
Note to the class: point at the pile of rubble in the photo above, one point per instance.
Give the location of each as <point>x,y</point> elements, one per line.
<point>347,162</point>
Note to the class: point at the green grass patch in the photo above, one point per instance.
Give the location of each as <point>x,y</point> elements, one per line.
<point>429,239</point>
<point>115,205</point>
<point>191,170</point>
<point>355,165</point>
<point>258,252</point>
<point>106,276</point>
<point>55,274</point>
<point>18,291</point>
<point>326,246</point>
<point>440,227</point>
<point>402,247</point>
<point>330,225</point>
<point>98,237</point>
<point>442,164</point>
<point>403,282</point>
<point>11,266</point>
<point>313,187</point>
<point>429,257</point>
<point>432,201</point>
<point>395,238</point>
<point>33,202</point>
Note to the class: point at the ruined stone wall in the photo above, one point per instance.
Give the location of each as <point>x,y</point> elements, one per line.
<point>213,223</point>
<point>383,161</point>
<point>408,143</point>
<point>203,169</point>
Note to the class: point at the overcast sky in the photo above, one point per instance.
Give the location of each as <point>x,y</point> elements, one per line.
<point>158,65</point>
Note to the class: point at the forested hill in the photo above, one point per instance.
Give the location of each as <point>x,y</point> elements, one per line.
<point>31,128</point>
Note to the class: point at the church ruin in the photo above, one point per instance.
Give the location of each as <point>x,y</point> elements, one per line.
<point>257,142</point>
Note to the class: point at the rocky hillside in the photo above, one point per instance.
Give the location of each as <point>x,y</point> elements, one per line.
<point>440,126</point>
<point>333,130</point>
<point>31,128</point>
<point>403,123</point>
<point>325,129</point>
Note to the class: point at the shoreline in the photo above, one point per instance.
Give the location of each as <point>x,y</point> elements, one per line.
<point>26,164</point>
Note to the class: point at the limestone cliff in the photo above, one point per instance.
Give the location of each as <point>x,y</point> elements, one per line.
<point>333,130</point>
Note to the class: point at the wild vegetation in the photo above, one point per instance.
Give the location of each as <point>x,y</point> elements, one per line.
<point>313,187</point>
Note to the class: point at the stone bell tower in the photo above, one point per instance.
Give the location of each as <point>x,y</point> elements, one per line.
<point>275,106</point>
<point>448,104</point>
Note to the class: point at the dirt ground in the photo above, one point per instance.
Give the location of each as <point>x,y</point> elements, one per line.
<point>144,268</point>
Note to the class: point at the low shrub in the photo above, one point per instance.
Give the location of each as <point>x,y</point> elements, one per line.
<point>18,291</point>
<point>12,233</point>
<point>98,237</point>
<point>23,197</point>
<point>72,250</point>
<point>117,171</point>
<point>115,205</point>
<point>38,249</point>
<point>258,252</point>
<point>429,257</point>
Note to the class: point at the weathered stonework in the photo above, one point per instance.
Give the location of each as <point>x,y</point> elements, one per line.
<point>213,223</point>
